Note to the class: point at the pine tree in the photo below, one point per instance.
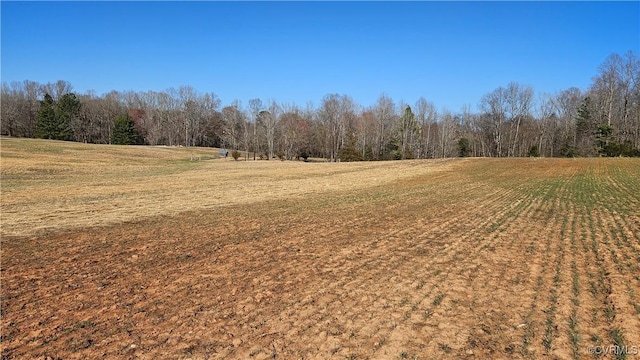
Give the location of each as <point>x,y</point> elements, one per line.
<point>408,128</point>
<point>68,110</point>
<point>54,119</point>
<point>46,119</point>
<point>464,147</point>
<point>584,139</point>
<point>124,131</point>
<point>349,152</point>
<point>603,139</point>
<point>583,118</point>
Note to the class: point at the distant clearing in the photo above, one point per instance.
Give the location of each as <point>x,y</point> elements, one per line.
<point>140,252</point>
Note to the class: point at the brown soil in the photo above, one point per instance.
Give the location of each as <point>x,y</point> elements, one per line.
<point>474,260</point>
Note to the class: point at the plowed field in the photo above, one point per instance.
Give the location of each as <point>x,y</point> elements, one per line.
<point>139,252</point>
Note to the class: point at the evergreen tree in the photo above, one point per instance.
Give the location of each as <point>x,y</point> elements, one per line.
<point>349,152</point>
<point>603,138</point>
<point>408,128</point>
<point>606,145</point>
<point>124,131</point>
<point>68,110</point>
<point>54,119</point>
<point>46,119</point>
<point>583,118</point>
<point>585,129</point>
<point>534,151</point>
<point>464,147</point>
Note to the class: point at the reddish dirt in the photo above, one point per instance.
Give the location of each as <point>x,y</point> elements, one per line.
<point>468,263</point>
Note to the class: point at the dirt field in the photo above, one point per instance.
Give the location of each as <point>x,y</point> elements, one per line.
<point>140,252</point>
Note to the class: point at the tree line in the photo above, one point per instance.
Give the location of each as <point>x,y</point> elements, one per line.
<point>510,121</point>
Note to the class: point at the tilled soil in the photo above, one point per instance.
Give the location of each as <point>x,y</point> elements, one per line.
<point>485,260</point>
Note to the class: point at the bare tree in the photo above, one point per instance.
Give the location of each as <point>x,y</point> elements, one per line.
<point>518,100</point>
<point>366,133</point>
<point>615,92</point>
<point>447,131</point>
<point>384,113</point>
<point>566,105</point>
<point>12,108</point>
<point>425,116</point>
<point>187,98</point>
<point>255,106</point>
<point>329,115</point>
<point>493,105</point>
<point>547,125</point>
<point>247,133</point>
<point>607,85</point>
<point>269,120</point>
<point>32,91</point>
<point>207,108</point>
<point>347,118</point>
<point>631,99</point>
<point>57,89</point>
<point>233,119</point>
<point>294,133</point>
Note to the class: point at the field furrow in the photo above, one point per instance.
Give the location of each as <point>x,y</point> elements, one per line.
<point>471,258</point>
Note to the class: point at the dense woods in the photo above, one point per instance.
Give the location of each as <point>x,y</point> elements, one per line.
<point>510,121</point>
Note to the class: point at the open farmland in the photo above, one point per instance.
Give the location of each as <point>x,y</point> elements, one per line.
<point>139,252</point>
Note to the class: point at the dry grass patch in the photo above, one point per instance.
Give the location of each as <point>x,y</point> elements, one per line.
<point>51,185</point>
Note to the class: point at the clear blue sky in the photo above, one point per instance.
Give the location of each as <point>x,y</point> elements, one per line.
<point>451,53</point>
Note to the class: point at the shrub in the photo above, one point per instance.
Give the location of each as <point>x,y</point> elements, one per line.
<point>568,151</point>
<point>304,155</point>
<point>348,154</point>
<point>464,147</point>
<point>235,154</point>
<point>408,155</point>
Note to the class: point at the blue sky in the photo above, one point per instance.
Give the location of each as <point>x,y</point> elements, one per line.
<point>451,53</point>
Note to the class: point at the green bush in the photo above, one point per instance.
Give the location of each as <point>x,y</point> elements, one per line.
<point>348,154</point>
<point>464,147</point>
<point>235,154</point>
